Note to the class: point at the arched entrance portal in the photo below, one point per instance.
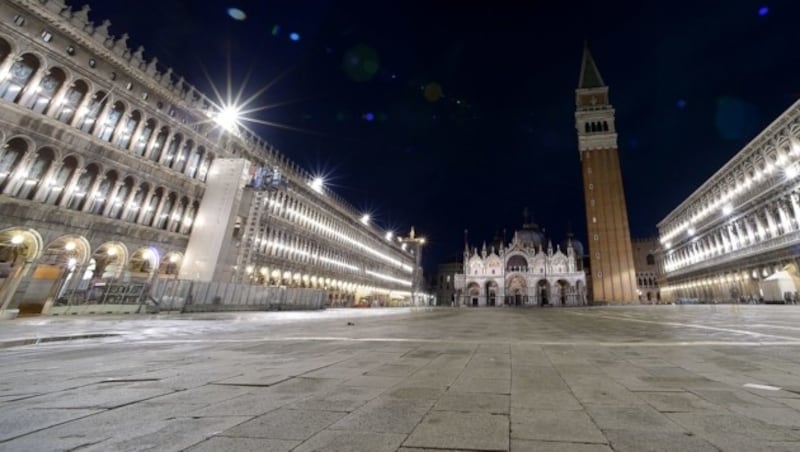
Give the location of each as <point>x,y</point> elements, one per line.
<point>491,293</point>
<point>518,291</point>
<point>19,248</point>
<point>543,292</point>
<point>473,294</point>
<point>63,271</point>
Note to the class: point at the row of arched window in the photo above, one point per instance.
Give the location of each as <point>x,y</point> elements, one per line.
<point>52,92</point>
<point>285,205</point>
<point>42,176</point>
<point>596,126</point>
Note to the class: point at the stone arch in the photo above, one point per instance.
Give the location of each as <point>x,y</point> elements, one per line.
<point>68,107</point>
<point>517,292</point>
<point>102,195</point>
<point>561,293</point>
<point>473,294</point>
<point>140,146</point>
<point>16,82</point>
<point>36,172</point>
<point>80,192</point>
<point>517,263</point>
<point>131,123</point>
<point>112,118</point>
<point>171,264</point>
<point>88,123</point>
<point>49,85</point>
<point>543,292</point>
<point>20,248</point>
<point>110,259</point>
<point>60,275</point>
<point>143,263</point>
<point>11,159</point>
<point>159,144</point>
<point>492,292</point>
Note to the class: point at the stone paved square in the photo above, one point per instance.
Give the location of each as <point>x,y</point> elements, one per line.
<point>584,379</point>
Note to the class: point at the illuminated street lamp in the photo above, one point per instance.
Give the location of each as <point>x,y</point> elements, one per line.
<point>417,243</point>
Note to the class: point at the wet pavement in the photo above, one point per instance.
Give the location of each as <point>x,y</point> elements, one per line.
<point>669,378</point>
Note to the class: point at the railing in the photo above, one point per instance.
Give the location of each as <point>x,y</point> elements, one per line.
<point>197,296</point>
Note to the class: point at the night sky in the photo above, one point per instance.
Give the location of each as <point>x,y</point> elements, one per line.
<point>453,115</point>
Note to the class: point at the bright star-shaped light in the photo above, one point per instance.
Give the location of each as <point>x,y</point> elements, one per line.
<point>317,184</point>
<point>228,118</point>
<point>365,218</point>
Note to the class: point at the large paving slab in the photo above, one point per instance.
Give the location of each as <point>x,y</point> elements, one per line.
<point>639,378</point>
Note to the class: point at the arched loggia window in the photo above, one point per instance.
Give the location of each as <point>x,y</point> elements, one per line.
<point>65,112</point>
<point>112,119</point>
<point>122,196</point>
<point>43,95</point>
<point>136,203</point>
<point>100,198</point>
<point>10,157</point>
<point>158,146</point>
<point>92,111</point>
<point>56,188</point>
<point>131,122</point>
<point>19,75</point>
<point>144,137</point>
<point>81,191</point>
<point>36,173</point>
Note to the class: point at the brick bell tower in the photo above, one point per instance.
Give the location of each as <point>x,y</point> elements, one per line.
<point>611,254</point>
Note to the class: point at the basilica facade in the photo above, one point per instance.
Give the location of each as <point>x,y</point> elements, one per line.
<point>526,272</point>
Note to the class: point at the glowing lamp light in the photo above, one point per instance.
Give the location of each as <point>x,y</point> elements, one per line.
<point>791,172</point>
<point>112,252</point>
<point>317,184</point>
<point>727,209</point>
<point>389,235</point>
<point>690,231</point>
<point>69,246</point>
<point>365,218</point>
<point>228,118</point>
<point>174,258</point>
<point>17,239</point>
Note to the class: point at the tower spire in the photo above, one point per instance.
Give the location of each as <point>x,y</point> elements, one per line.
<point>590,76</point>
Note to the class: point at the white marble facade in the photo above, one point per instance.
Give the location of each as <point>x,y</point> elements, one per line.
<point>523,273</point>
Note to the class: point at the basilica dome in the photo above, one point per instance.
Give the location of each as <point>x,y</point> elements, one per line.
<point>530,236</point>
<point>577,246</point>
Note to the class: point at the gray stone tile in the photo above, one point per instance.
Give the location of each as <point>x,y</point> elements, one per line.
<point>519,445</point>
<point>503,373</point>
<point>718,428</point>
<point>348,441</point>
<point>451,430</point>
<point>225,443</point>
<point>678,401</point>
<point>373,380</point>
<point>488,385</point>
<point>412,393</point>
<point>549,400</point>
<point>644,441</point>
<point>392,370</point>
<point>487,403</point>
<point>631,418</point>
<point>19,421</point>
<point>384,415</point>
<point>286,424</point>
<point>549,425</point>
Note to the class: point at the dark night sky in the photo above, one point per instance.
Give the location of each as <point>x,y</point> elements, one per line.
<point>692,82</point>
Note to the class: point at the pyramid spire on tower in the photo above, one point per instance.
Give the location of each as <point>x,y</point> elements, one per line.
<point>590,76</point>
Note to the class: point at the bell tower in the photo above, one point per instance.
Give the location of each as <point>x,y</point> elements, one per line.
<point>613,275</point>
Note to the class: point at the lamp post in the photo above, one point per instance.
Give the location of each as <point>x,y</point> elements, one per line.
<point>417,243</point>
